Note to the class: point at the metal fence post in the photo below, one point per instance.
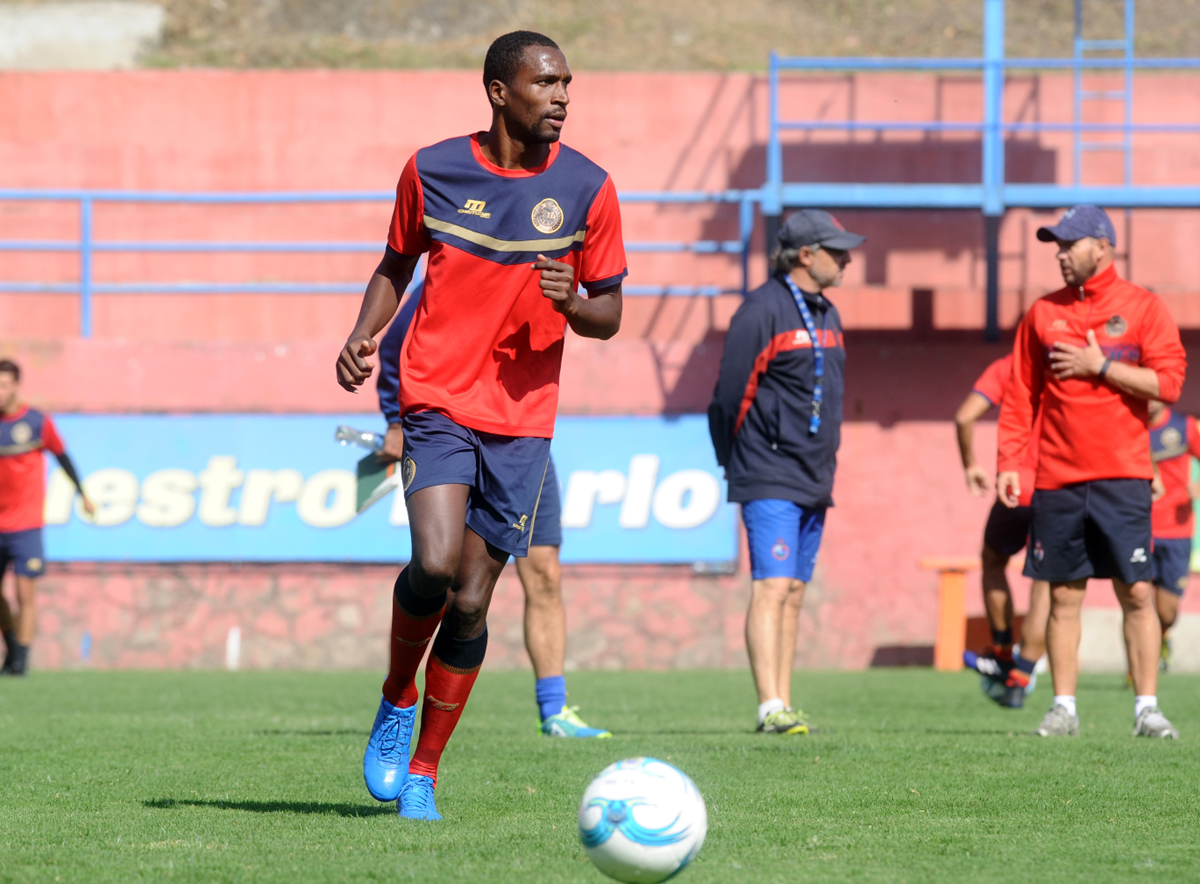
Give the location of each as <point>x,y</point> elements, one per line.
<point>993,155</point>
<point>85,267</point>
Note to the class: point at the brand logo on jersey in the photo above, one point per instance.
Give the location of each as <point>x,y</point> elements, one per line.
<point>21,433</point>
<point>475,207</point>
<point>1138,557</point>
<point>780,550</point>
<point>547,216</point>
<point>1116,326</point>
<point>1038,552</point>
<point>802,337</point>
<point>1058,325</point>
<point>520,526</point>
<point>1171,438</point>
<point>408,471</point>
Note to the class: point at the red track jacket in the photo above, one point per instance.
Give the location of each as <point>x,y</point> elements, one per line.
<point>1089,429</point>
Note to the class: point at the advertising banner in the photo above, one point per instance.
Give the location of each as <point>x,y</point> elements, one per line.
<point>265,488</point>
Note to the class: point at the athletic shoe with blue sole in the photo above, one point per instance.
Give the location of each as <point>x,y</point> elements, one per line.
<point>568,724</point>
<point>416,799</point>
<point>385,763</point>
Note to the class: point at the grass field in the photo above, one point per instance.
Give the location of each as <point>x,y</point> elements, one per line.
<point>913,777</point>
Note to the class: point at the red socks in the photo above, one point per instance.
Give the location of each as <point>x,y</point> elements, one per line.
<point>414,620</point>
<point>449,676</point>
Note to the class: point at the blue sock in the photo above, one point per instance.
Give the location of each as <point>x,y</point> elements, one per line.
<point>551,695</point>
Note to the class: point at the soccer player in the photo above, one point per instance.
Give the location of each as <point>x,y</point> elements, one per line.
<point>1088,357</point>
<point>1003,537</point>
<point>24,433</point>
<point>775,421</point>
<point>513,222</point>
<point>540,570</point>
<point>1174,441</point>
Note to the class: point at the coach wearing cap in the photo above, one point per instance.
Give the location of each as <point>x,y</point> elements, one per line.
<point>1088,357</point>
<point>775,421</point>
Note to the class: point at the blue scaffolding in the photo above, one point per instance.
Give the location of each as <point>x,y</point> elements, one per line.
<point>993,194</point>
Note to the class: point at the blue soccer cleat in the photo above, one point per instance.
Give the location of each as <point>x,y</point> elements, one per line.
<point>385,763</point>
<point>416,799</point>
<point>568,724</point>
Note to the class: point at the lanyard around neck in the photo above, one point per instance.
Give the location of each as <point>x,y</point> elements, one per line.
<point>818,346</point>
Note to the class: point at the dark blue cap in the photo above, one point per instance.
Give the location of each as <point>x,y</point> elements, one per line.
<point>1078,222</point>
<point>816,227</point>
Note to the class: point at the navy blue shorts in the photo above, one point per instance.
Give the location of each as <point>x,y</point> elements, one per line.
<point>24,550</point>
<point>547,527</point>
<point>1091,529</point>
<point>1007,529</point>
<point>784,538</point>
<point>1172,560</point>
<point>505,474</point>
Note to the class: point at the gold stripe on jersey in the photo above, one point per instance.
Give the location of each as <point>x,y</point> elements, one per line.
<point>23,448</point>
<point>504,245</point>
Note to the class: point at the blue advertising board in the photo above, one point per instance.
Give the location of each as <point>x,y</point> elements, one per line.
<point>266,488</point>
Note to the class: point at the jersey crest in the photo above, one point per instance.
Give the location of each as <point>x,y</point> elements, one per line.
<point>1171,439</point>
<point>22,435</point>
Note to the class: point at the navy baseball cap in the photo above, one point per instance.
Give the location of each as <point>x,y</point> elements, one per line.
<point>815,227</point>
<point>1078,222</point>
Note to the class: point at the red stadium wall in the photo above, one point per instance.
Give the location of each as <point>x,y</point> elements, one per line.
<point>913,304</point>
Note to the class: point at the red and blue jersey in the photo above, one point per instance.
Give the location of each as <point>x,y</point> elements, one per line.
<point>1174,441</point>
<point>485,347</point>
<point>23,435</point>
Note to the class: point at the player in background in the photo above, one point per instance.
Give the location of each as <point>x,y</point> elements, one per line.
<point>776,423</point>
<point>24,433</point>
<point>1174,441</point>
<point>1004,536</point>
<point>513,222</point>
<point>1087,359</point>
<point>540,570</point>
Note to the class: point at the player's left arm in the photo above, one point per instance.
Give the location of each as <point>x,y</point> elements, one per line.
<point>54,444</point>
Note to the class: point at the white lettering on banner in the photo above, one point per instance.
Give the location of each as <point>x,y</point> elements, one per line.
<point>586,488</point>
<point>167,498</point>
<point>217,482</point>
<point>327,499</point>
<point>686,499</point>
<point>60,494</point>
<point>261,487</point>
<point>635,511</point>
<point>399,515</point>
<point>114,492</point>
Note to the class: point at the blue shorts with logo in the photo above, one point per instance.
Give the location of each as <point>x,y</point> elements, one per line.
<point>1096,529</point>
<point>1172,560</point>
<point>784,538</point>
<point>547,527</point>
<point>505,474</point>
<point>24,550</point>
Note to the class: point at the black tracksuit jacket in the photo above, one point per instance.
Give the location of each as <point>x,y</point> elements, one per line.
<point>761,407</point>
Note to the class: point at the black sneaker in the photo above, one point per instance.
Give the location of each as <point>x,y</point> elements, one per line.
<point>18,661</point>
<point>1013,697</point>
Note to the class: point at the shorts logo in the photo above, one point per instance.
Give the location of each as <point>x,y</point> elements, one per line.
<point>408,471</point>
<point>1116,326</point>
<point>780,550</point>
<point>474,207</point>
<point>547,216</point>
<point>1038,552</point>
<point>520,526</point>
<point>21,433</point>
<point>33,565</point>
<point>1181,583</point>
<point>1138,557</point>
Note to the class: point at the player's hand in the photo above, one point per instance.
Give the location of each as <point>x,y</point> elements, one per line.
<point>977,481</point>
<point>1008,488</point>
<point>352,367</point>
<point>1069,361</point>
<point>393,444</point>
<point>88,506</point>
<point>1158,488</point>
<point>558,283</point>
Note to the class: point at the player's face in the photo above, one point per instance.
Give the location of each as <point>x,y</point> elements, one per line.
<point>1077,259</point>
<point>536,100</point>
<point>9,388</point>
<point>828,266</point>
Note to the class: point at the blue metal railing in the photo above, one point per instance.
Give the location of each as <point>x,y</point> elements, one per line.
<point>87,246</point>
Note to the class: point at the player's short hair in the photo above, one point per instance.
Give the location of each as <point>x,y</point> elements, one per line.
<point>7,366</point>
<point>506,53</point>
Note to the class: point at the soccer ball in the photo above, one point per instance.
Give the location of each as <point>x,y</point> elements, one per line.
<point>642,820</point>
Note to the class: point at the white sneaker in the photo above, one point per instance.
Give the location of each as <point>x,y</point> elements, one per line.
<point>1152,723</point>
<point>1058,723</point>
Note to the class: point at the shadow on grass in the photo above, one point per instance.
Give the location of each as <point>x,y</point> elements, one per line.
<point>317,808</point>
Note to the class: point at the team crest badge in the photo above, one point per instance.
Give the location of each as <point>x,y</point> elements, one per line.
<point>547,216</point>
<point>780,550</point>
<point>408,471</point>
<point>1116,326</point>
<point>1038,552</point>
<point>1171,439</point>
<point>21,433</point>
<point>34,565</point>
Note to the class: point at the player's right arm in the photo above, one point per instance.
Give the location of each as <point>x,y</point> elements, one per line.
<point>975,406</point>
<point>1019,408</point>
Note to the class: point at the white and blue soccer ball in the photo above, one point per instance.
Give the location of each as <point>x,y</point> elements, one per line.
<point>642,820</point>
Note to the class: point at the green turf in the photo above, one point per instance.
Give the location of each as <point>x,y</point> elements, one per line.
<point>913,777</point>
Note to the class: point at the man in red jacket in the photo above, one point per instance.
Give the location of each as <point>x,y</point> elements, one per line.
<point>1088,358</point>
